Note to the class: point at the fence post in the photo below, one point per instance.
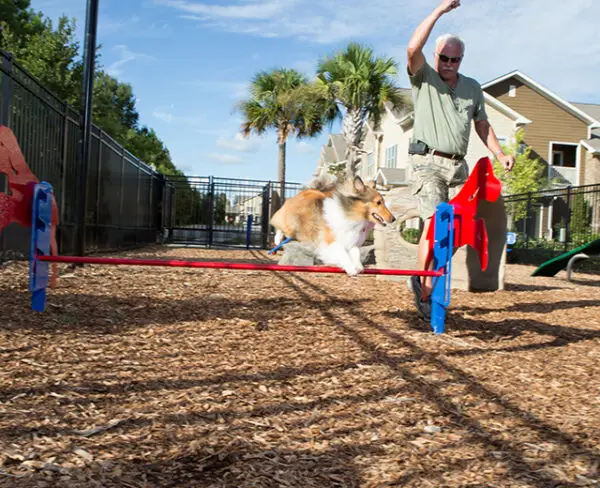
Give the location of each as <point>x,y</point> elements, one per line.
<point>248,231</point>
<point>7,69</point>
<point>161,206</point>
<point>6,79</point>
<point>63,177</point>
<point>525,235</point>
<point>98,188</point>
<point>122,196</point>
<point>211,195</point>
<point>568,222</point>
<point>138,202</point>
<point>265,217</point>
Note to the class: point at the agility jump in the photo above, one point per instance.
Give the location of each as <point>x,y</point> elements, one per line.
<point>31,204</point>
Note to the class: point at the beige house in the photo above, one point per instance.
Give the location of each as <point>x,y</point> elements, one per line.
<point>333,152</point>
<point>564,135</point>
<point>248,206</point>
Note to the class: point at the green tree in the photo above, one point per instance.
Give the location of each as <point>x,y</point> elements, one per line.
<point>277,101</point>
<point>51,56</point>
<point>359,85</point>
<point>220,212</point>
<point>114,106</point>
<point>18,21</point>
<point>581,215</point>
<point>146,145</point>
<point>526,176</point>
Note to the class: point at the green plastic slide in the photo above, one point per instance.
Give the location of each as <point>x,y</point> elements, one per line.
<point>554,265</point>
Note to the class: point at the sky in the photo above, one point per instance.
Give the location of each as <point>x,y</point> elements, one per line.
<point>189,62</point>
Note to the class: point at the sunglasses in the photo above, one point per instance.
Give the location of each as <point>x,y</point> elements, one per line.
<point>446,59</point>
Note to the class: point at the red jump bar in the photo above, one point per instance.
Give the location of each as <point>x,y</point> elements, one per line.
<point>224,265</point>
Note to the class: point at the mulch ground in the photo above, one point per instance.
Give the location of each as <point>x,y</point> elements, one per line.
<point>158,377</point>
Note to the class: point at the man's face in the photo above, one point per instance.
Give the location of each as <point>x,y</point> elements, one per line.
<point>447,60</point>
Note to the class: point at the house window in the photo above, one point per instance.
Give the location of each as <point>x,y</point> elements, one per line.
<point>558,158</point>
<point>512,91</point>
<point>370,160</point>
<point>564,155</point>
<point>390,156</point>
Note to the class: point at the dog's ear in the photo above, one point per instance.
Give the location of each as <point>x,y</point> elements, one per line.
<point>359,185</point>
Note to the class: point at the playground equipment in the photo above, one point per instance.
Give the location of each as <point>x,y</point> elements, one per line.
<point>454,226</point>
<point>568,260</point>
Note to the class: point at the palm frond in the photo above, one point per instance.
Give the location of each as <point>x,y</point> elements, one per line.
<point>284,100</point>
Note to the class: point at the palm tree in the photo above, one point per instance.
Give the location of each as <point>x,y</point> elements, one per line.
<point>360,85</point>
<point>278,100</point>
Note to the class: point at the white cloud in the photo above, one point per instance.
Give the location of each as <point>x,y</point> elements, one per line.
<point>304,147</point>
<point>239,143</point>
<point>224,158</point>
<point>259,10</point>
<point>323,21</point>
<point>166,114</point>
<point>561,52</point>
<point>126,56</point>
<point>133,26</point>
<point>550,52</point>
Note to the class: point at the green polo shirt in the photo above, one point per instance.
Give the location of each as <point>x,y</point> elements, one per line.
<point>443,115</point>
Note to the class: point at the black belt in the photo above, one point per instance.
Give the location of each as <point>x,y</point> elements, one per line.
<point>421,148</point>
<point>456,157</point>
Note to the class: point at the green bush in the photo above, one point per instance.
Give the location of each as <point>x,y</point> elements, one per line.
<point>411,235</point>
<point>581,215</point>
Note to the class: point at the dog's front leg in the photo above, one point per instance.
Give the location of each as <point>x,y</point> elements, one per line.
<point>354,253</point>
<point>336,254</point>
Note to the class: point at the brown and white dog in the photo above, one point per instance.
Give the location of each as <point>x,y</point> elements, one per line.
<point>335,218</point>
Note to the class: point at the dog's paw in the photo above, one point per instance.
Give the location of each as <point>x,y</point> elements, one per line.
<point>351,271</point>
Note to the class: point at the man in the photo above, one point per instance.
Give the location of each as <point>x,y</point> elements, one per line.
<point>446,103</point>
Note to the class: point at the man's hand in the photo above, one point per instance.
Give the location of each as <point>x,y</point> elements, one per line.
<point>448,5</point>
<point>507,161</point>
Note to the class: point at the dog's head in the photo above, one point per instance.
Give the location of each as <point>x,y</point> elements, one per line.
<point>370,203</point>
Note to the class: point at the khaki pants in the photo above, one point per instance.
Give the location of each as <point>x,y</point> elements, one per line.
<point>432,177</point>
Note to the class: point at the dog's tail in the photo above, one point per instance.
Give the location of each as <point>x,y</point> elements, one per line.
<point>325,182</point>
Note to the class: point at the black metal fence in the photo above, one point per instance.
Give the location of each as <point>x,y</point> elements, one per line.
<point>125,205</point>
<point>215,212</point>
<point>551,222</point>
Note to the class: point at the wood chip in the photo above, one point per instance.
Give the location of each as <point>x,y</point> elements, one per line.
<point>139,377</point>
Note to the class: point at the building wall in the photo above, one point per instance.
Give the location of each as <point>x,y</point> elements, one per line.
<point>592,170</point>
<point>370,147</point>
<point>549,121</point>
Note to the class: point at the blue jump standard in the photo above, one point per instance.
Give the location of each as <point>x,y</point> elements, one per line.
<point>40,246</point>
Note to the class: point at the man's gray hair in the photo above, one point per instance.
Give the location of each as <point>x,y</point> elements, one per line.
<point>449,39</point>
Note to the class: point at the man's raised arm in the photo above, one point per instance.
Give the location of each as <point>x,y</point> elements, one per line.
<point>416,59</point>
